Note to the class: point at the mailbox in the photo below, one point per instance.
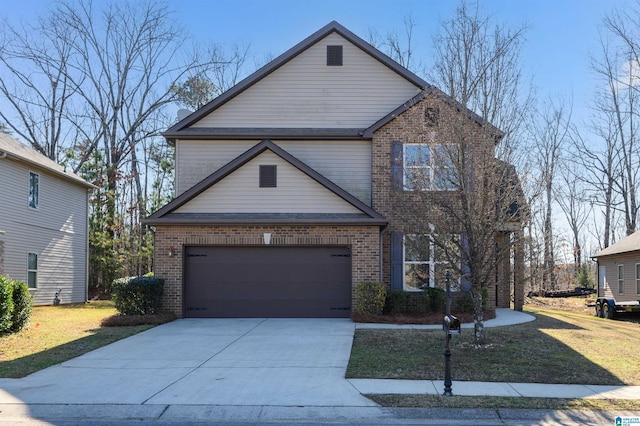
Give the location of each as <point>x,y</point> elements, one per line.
<point>451,324</point>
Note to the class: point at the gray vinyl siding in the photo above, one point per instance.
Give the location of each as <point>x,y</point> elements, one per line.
<point>346,163</point>
<point>56,231</point>
<point>295,192</point>
<point>305,92</point>
<point>628,260</point>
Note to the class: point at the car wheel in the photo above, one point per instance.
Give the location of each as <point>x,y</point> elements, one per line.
<point>599,312</point>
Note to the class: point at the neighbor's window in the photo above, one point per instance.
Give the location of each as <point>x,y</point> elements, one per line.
<point>620,279</point>
<point>429,167</point>
<point>425,263</point>
<point>637,278</point>
<point>34,189</point>
<point>32,270</point>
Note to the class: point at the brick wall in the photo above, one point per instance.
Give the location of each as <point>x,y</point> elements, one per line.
<point>431,120</point>
<point>363,241</point>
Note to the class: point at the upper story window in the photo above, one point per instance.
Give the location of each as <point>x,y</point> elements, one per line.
<point>425,263</point>
<point>34,190</point>
<point>429,167</point>
<point>334,56</point>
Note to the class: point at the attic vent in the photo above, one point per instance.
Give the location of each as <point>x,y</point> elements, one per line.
<point>268,176</point>
<point>334,56</point>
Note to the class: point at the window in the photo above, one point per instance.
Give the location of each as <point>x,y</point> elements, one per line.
<point>268,176</point>
<point>34,189</point>
<point>32,270</point>
<point>620,279</point>
<point>334,56</point>
<point>425,263</point>
<point>637,278</point>
<point>429,167</point>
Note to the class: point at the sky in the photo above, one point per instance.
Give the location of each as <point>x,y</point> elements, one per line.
<point>560,37</point>
<point>561,34</point>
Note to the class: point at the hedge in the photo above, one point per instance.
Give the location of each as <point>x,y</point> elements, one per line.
<point>16,305</point>
<point>137,295</point>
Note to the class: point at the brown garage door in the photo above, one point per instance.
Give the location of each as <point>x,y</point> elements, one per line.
<point>267,282</point>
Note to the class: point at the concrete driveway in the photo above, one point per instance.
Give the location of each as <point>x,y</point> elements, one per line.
<point>241,362</point>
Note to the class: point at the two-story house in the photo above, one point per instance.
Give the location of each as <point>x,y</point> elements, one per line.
<point>43,224</point>
<point>285,185</point>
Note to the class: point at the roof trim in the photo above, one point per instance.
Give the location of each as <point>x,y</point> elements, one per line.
<point>210,133</point>
<point>261,219</point>
<point>286,57</point>
<point>161,215</point>
<point>629,244</point>
<point>13,149</point>
<point>434,91</point>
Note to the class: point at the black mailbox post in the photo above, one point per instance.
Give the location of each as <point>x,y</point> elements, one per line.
<point>450,325</point>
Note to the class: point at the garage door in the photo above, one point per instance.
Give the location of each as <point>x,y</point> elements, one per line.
<point>270,282</point>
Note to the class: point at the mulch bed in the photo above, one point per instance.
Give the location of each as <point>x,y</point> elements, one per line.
<point>429,318</point>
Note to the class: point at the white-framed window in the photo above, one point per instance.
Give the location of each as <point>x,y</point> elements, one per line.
<point>621,279</point>
<point>425,263</point>
<point>34,190</point>
<point>637,278</point>
<point>429,167</point>
<point>32,270</point>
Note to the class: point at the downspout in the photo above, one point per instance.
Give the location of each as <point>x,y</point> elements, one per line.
<point>86,259</point>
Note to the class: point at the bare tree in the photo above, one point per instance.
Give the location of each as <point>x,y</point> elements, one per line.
<point>549,134</point>
<point>398,47</point>
<point>478,65</point>
<point>39,92</point>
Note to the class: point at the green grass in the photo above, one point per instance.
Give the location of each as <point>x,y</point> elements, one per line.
<point>59,333</point>
<point>558,347</point>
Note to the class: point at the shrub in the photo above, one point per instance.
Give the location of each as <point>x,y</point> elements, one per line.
<point>6,303</point>
<point>138,295</point>
<point>396,302</point>
<point>370,297</point>
<point>22,306</point>
<point>437,299</point>
<point>423,302</point>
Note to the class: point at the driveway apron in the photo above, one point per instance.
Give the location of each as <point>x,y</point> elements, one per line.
<point>290,362</point>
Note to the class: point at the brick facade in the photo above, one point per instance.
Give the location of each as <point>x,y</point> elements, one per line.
<point>363,241</point>
<point>431,120</point>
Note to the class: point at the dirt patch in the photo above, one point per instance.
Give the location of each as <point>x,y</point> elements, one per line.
<point>575,304</point>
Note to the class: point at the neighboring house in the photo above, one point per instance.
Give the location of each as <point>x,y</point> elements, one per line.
<point>285,186</point>
<point>619,269</point>
<point>44,223</point>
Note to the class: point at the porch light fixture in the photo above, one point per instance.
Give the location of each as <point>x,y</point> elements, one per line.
<point>267,238</point>
<point>172,251</point>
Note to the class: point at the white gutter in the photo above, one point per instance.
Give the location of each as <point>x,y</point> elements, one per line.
<point>3,154</point>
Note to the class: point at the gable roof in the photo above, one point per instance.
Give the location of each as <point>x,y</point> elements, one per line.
<point>434,91</point>
<point>166,215</point>
<point>628,244</point>
<point>286,57</point>
<point>12,148</point>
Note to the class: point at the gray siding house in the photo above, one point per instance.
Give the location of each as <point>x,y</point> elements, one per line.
<point>285,186</point>
<point>43,224</point>
<point>619,270</point>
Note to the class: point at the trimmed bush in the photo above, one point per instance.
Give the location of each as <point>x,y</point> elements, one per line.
<point>370,297</point>
<point>138,295</point>
<point>6,304</point>
<point>22,306</point>
<point>396,302</point>
<point>437,299</point>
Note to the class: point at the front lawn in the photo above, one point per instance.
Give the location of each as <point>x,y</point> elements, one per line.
<point>558,347</point>
<point>59,333</point>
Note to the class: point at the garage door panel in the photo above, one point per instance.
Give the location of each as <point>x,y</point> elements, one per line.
<point>267,282</point>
